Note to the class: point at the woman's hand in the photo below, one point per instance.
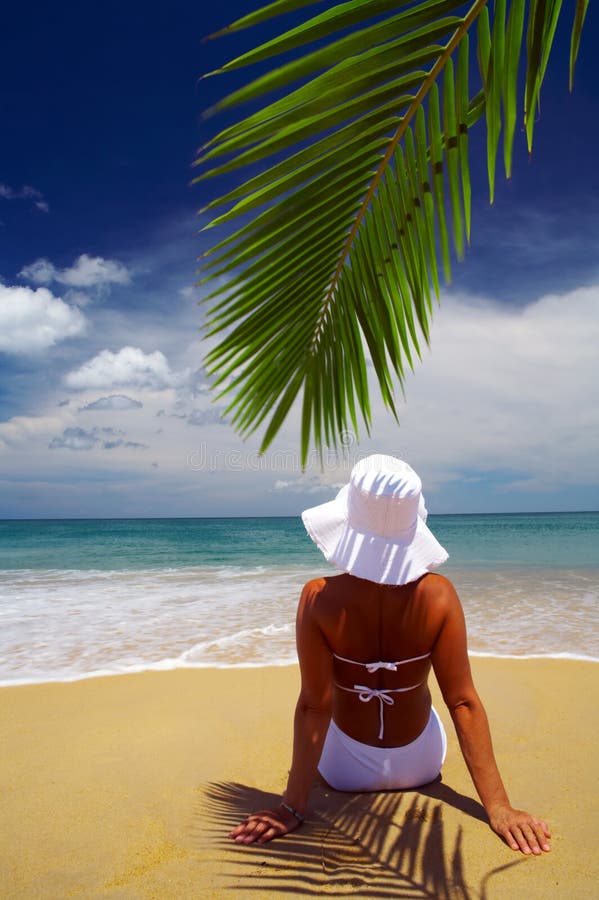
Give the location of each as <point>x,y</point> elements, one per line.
<point>263,826</point>
<point>520,830</point>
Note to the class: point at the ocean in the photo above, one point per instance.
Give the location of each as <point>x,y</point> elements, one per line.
<point>80,598</point>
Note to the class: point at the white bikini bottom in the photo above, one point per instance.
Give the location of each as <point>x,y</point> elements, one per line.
<point>349,765</point>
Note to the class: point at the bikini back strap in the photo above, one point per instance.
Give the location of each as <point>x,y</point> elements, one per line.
<point>366,694</point>
<point>375,666</point>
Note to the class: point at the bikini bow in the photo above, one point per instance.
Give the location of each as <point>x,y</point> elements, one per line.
<point>366,693</point>
<point>374,667</point>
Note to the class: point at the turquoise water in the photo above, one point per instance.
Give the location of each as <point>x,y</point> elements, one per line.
<point>559,540</point>
<point>87,597</point>
<point>105,544</point>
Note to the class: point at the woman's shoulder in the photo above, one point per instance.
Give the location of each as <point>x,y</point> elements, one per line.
<point>343,583</point>
<point>438,592</point>
<point>322,585</point>
<point>323,591</point>
<point>343,588</point>
<point>432,581</point>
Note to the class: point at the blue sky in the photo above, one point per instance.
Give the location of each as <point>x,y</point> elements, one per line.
<point>104,408</point>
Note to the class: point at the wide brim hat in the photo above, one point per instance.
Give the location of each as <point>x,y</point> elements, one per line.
<point>375,528</point>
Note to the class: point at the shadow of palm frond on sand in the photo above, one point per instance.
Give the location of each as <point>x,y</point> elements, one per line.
<point>362,845</point>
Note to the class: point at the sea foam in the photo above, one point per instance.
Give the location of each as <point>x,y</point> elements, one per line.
<point>64,625</point>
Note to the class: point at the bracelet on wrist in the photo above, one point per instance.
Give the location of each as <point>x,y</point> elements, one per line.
<point>293,811</point>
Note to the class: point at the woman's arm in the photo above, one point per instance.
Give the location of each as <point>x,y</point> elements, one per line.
<point>520,830</point>
<point>311,721</point>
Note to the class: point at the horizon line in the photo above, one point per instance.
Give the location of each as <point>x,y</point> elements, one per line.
<point>141,518</point>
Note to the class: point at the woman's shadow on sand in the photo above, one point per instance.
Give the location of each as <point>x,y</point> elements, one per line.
<point>391,844</point>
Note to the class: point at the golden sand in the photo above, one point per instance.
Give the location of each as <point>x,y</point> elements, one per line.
<point>126,787</point>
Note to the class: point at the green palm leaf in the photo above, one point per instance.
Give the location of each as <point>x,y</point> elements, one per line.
<point>345,235</point>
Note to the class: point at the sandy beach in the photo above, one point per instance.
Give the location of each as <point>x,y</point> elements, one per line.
<point>126,787</point>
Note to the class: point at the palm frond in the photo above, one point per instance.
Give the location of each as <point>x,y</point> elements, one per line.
<point>579,17</point>
<point>345,236</point>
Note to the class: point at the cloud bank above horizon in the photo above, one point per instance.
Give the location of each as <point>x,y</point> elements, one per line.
<point>500,413</point>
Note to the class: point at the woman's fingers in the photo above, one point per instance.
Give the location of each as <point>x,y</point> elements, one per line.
<point>523,832</point>
<point>540,836</point>
<point>527,840</point>
<point>542,833</point>
<point>251,830</point>
<point>269,835</point>
<point>262,827</point>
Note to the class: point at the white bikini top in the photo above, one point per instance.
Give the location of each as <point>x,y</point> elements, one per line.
<point>367,693</point>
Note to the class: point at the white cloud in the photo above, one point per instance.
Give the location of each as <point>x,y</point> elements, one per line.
<point>211,416</point>
<point>25,193</point>
<point>41,271</point>
<point>75,438</point>
<point>114,401</point>
<point>504,389</point>
<point>86,272</point>
<point>24,429</point>
<point>129,367</point>
<point>305,484</point>
<point>77,298</point>
<point>34,319</point>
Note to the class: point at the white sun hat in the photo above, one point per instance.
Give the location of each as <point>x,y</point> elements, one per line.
<point>375,528</point>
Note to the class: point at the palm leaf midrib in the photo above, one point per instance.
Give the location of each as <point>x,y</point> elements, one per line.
<point>430,79</point>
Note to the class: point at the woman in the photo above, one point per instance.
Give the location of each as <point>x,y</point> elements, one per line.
<point>366,642</point>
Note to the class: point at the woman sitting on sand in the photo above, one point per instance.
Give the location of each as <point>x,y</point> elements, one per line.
<point>366,641</point>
